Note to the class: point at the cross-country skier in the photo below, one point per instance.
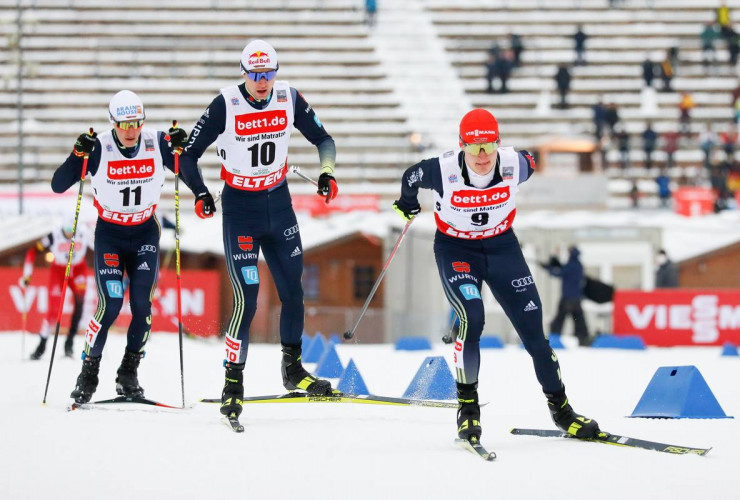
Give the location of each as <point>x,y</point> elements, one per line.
<point>251,124</point>
<point>57,243</point>
<point>474,209</point>
<point>126,165</point>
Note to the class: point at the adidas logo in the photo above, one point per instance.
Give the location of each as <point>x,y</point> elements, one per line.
<point>530,307</point>
<point>297,251</point>
<point>143,267</point>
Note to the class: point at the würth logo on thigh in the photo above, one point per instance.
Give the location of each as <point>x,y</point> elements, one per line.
<point>461,267</point>
<point>246,243</point>
<point>110,259</point>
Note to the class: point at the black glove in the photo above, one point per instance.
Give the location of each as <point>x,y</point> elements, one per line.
<point>85,144</point>
<point>328,186</point>
<point>177,140</point>
<point>406,212</point>
<point>205,207</point>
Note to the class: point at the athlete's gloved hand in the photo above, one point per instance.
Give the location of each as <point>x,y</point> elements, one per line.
<point>406,212</point>
<point>177,139</point>
<point>84,144</point>
<point>328,186</point>
<point>205,207</point>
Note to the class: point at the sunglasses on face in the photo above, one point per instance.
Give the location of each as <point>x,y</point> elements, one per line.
<point>257,76</point>
<point>128,125</point>
<point>474,149</point>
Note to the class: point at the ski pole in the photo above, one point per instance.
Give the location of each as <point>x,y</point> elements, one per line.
<point>66,272</point>
<point>349,334</point>
<point>447,339</point>
<point>177,267</point>
<point>297,170</point>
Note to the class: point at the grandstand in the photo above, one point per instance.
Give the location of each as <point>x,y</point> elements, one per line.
<point>416,71</point>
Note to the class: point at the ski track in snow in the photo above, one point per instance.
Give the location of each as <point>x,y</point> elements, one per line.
<point>323,451</point>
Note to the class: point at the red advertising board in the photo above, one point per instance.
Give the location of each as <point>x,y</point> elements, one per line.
<point>200,302</point>
<point>679,316</point>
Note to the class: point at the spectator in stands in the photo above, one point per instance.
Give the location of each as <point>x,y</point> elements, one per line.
<point>499,66</point>
<point>517,47</point>
<point>604,146</point>
<point>666,73</point>
<point>685,105</point>
<point>418,143</point>
<point>735,97</point>
<point>491,68</point>
<point>599,119</point>
<point>673,57</point>
<point>371,8</point>
<point>708,36</point>
<point>562,79</point>
<point>723,20</point>
<point>649,142</point>
<point>729,141</point>
<point>623,144</point>
<point>573,281</point>
<point>579,37</point>
<point>666,275</point>
<point>664,188</point>
<point>612,117</point>
<point>504,66</point>
<point>718,178</point>
<point>648,70</point>
<point>707,142</point>
<point>635,194</point>
<point>670,146</point>
<point>733,46</point>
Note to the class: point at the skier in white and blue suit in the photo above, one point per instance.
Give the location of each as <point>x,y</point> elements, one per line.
<point>475,190</point>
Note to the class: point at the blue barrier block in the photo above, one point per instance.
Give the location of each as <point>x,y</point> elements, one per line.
<point>433,380</point>
<point>678,392</point>
<point>619,342</point>
<point>729,349</point>
<point>318,346</point>
<point>491,342</point>
<point>329,364</point>
<point>335,338</point>
<point>306,341</point>
<point>413,344</point>
<point>351,381</point>
<point>555,341</point>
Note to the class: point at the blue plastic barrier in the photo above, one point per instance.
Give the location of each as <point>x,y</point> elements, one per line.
<point>413,344</point>
<point>619,342</point>
<point>433,380</point>
<point>678,392</point>
<point>351,381</point>
<point>329,364</point>
<point>491,342</point>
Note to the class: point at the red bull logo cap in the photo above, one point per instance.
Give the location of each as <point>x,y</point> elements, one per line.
<point>258,54</point>
<point>478,126</point>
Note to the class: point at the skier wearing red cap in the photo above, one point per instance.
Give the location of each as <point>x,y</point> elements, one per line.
<point>475,190</point>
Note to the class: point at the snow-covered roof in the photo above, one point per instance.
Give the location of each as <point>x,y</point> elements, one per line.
<point>683,237</point>
<point>206,236</point>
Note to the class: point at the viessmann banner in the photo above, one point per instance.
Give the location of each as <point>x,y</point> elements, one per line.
<point>200,302</point>
<point>679,317</point>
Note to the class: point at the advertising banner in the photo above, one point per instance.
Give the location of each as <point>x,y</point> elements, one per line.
<point>200,302</point>
<point>679,316</point>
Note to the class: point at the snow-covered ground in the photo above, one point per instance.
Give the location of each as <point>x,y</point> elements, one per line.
<point>355,451</point>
